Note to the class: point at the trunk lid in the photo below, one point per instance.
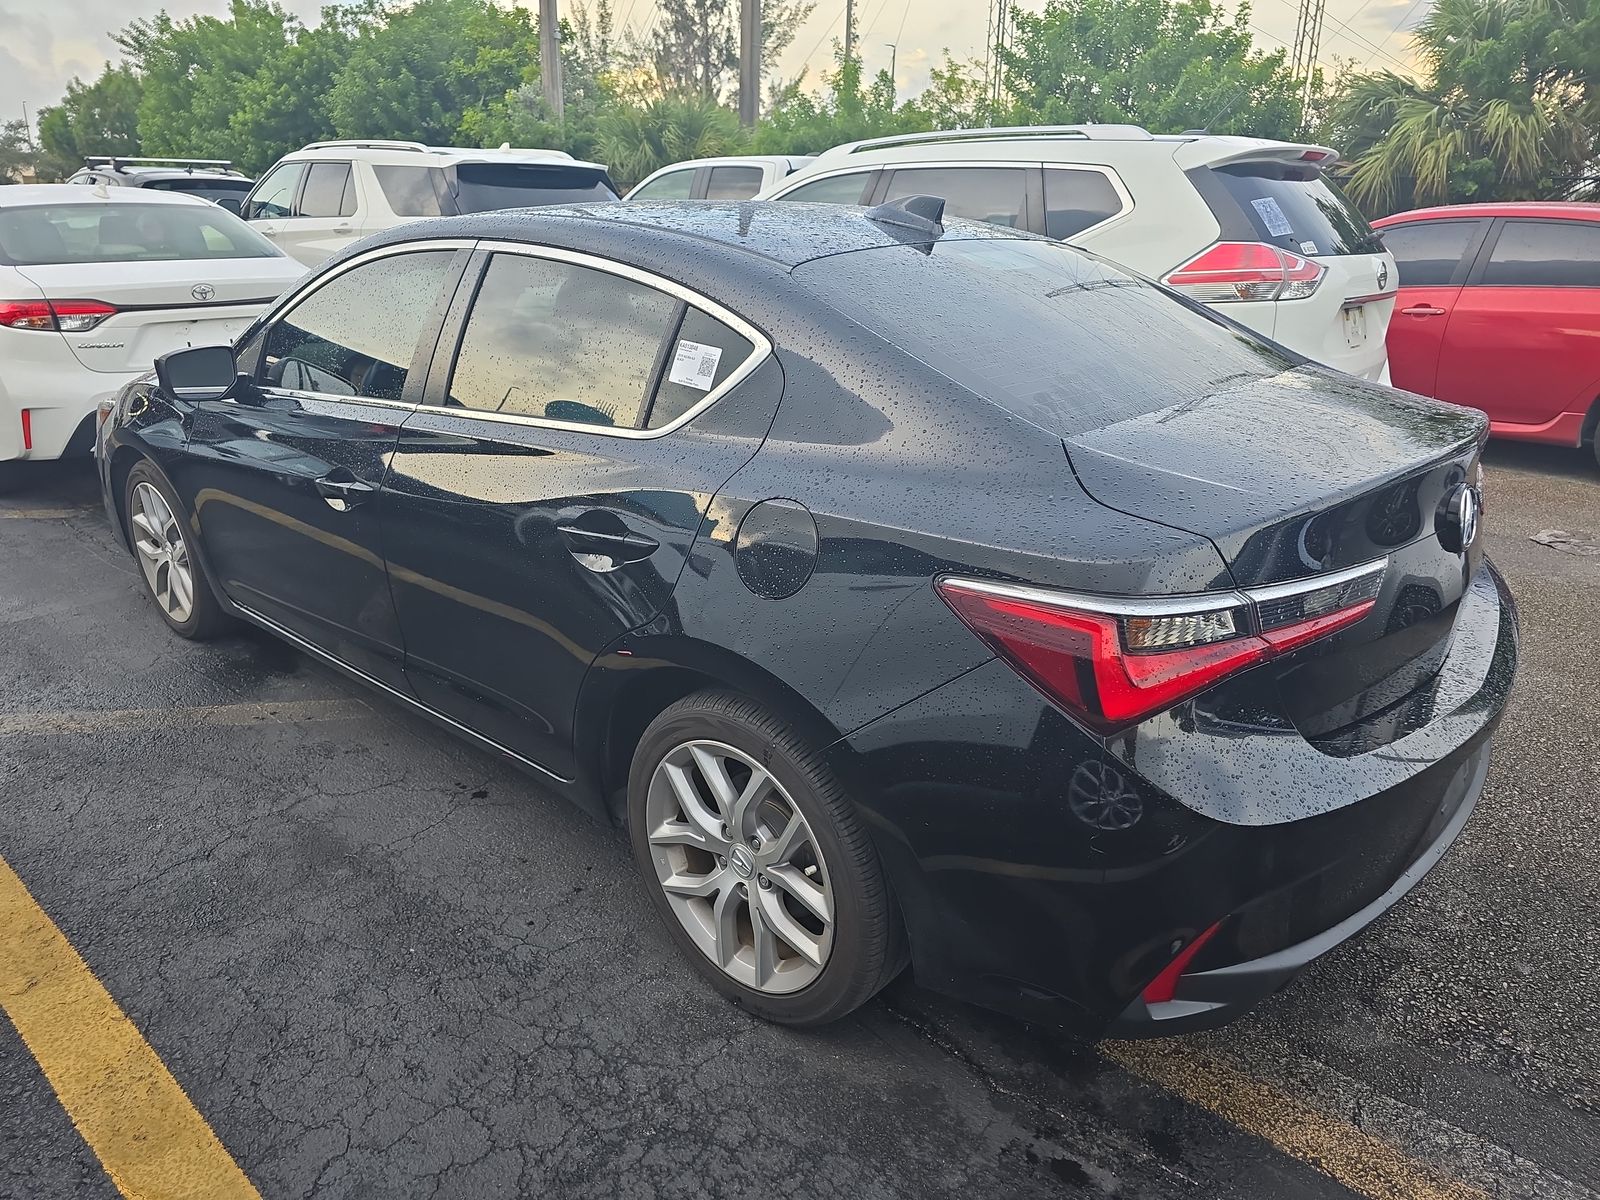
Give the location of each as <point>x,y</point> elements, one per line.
<point>1304,473</point>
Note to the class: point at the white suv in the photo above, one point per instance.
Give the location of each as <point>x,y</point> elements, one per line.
<point>316,201</point>
<point>1252,226</point>
<point>738,177</point>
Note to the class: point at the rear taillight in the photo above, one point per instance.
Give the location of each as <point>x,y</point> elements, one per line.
<point>1112,661</point>
<point>67,316</point>
<point>1230,271</point>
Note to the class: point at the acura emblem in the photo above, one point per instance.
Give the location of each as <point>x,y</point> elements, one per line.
<point>202,291</point>
<point>1383,274</point>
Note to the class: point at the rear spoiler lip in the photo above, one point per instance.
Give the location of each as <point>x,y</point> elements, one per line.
<point>1284,152</point>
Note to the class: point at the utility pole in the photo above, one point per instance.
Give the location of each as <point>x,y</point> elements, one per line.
<point>849,29</point>
<point>993,67</point>
<point>749,62</point>
<point>1307,43</point>
<point>550,57</point>
<point>894,54</point>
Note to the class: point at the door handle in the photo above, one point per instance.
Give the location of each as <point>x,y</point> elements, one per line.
<point>1423,310</point>
<point>602,551</point>
<point>342,494</point>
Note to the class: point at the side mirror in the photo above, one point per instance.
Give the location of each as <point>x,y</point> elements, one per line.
<point>198,373</point>
<point>232,203</point>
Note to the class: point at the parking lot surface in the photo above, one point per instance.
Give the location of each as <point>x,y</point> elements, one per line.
<point>374,961</point>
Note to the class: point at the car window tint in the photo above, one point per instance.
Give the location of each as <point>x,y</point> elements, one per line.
<point>992,194</point>
<point>484,187</point>
<point>1295,207</point>
<point>206,189</point>
<point>700,359</point>
<point>836,189</point>
<point>274,195</point>
<point>674,185</point>
<point>1545,254</point>
<point>1075,200</point>
<point>356,334</point>
<point>410,191</point>
<point>326,186</point>
<point>733,183</point>
<point>562,342</point>
<point>1426,253</point>
<point>125,232</point>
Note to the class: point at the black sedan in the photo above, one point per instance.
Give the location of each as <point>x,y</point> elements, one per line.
<point>910,590</point>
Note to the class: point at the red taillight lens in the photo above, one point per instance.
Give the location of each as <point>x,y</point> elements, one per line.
<point>1164,986</point>
<point>68,316</point>
<point>1113,662</point>
<point>1230,271</point>
<point>27,429</point>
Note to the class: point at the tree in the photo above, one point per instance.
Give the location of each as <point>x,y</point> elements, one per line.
<point>847,111</point>
<point>17,151</point>
<point>638,139</point>
<point>1506,108</point>
<point>431,72</point>
<point>588,90</point>
<point>1169,65</point>
<point>93,118</point>
<point>694,48</point>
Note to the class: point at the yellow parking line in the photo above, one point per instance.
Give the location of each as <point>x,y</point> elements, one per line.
<point>120,1096</point>
<point>1363,1163</point>
<point>96,720</point>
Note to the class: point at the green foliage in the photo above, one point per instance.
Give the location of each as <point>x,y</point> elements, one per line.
<point>638,139</point>
<point>1169,65</point>
<point>1506,109</point>
<point>93,118</point>
<point>17,152</point>
<point>693,47</point>
<point>846,112</point>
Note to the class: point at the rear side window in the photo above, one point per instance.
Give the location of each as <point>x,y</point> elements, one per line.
<point>1295,208</point>
<point>1427,253</point>
<point>274,195</point>
<point>674,185</point>
<point>327,192</point>
<point>701,357</point>
<point>733,183</point>
<point>836,189</point>
<point>131,232</point>
<point>411,191</point>
<point>1075,200</point>
<point>1060,338</point>
<point>997,195</point>
<point>1545,254</point>
<point>356,334</point>
<point>482,187</point>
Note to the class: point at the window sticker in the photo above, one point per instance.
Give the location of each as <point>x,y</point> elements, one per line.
<point>1272,216</point>
<point>695,365</point>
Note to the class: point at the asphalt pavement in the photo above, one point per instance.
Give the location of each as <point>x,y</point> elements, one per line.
<point>380,963</point>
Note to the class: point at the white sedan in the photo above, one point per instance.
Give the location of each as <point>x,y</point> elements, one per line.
<point>95,284</point>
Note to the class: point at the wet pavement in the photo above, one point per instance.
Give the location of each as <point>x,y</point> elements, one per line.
<point>382,963</point>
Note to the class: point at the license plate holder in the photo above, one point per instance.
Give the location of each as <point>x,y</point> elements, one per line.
<point>1355,325</point>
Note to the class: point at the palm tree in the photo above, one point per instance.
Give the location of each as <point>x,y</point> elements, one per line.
<point>635,140</point>
<point>1504,110</point>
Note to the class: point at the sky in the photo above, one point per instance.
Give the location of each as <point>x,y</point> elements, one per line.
<point>47,43</point>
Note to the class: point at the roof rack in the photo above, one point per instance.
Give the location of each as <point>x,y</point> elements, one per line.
<point>367,144</point>
<point>1106,133</point>
<point>117,161</point>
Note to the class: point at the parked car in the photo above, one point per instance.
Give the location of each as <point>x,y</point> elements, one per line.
<point>1499,309</point>
<point>905,587</point>
<point>1253,226</point>
<point>211,179</point>
<point>94,284</point>
<point>320,199</point>
<point>737,178</point>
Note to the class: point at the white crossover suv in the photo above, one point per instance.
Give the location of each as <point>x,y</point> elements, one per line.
<point>738,177</point>
<point>318,200</point>
<point>95,284</point>
<point>1253,227</point>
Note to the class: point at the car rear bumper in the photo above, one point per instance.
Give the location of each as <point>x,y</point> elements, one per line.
<point>59,394</point>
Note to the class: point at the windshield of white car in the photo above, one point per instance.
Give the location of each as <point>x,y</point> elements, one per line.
<point>40,235</point>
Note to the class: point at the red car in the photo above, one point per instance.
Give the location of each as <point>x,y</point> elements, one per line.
<point>1499,309</point>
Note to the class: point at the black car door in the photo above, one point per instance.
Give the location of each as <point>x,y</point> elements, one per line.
<point>580,416</point>
<point>284,479</point>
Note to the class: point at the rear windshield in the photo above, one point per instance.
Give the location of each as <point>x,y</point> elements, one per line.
<point>106,233</point>
<point>1296,208</point>
<point>206,189</point>
<point>481,187</point>
<point>1056,336</point>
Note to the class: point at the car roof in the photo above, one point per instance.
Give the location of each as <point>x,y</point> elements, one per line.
<point>787,161</point>
<point>394,153</point>
<point>1571,210</point>
<point>16,195</point>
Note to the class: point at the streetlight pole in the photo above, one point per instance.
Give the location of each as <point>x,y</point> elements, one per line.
<point>894,54</point>
<point>749,62</point>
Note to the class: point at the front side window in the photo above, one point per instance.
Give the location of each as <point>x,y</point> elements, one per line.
<point>674,185</point>
<point>836,189</point>
<point>733,183</point>
<point>411,191</point>
<point>1426,253</point>
<point>996,195</point>
<point>274,195</point>
<point>356,334</point>
<point>131,232</point>
<point>328,192</point>
<point>1545,254</point>
<point>1075,200</point>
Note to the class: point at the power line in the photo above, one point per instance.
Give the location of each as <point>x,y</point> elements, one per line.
<point>1395,30</point>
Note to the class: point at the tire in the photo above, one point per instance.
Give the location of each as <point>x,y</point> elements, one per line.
<point>830,862</point>
<point>163,548</point>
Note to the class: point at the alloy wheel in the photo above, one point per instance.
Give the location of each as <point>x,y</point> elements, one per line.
<point>163,554</point>
<point>740,866</point>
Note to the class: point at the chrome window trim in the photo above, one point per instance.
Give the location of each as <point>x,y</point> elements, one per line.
<point>760,343</point>
<point>1315,583</point>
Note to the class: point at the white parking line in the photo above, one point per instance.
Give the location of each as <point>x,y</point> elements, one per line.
<point>96,720</point>
<point>42,514</point>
